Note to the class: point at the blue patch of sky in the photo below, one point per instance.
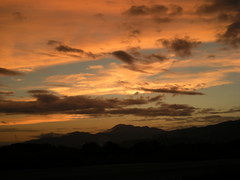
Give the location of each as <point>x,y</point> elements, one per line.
<point>37,77</point>
<point>223,97</point>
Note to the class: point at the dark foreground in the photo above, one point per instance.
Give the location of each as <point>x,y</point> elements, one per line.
<point>212,169</point>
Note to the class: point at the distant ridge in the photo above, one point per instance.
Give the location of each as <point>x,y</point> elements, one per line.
<point>117,134</point>
<point>222,132</point>
<point>129,134</point>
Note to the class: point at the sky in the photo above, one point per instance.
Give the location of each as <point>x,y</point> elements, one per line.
<point>88,65</point>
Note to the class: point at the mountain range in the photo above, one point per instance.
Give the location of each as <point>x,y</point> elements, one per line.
<point>128,135</point>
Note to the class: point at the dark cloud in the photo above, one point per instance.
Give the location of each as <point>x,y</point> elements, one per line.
<point>206,120</point>
<point>64,48</point>
<point>137,11</point>
<point>132,61</point>
<point>215,119</point>
<point>74,52</point>
<point>176,10</point>
<point>46,98</point>
<point>159,13</point>
<point>132,37</point>
<point>182,47</point>
<point>49,103</point>
<point>225,11</point>
<point>214,111</point>
<point>174,90</point>
<point>125,57</point>
<point>158,9</point>
<point>39,91</point>
<point>211,56</point>
<point>231,35</point>
<point>154,10</point>
<point>164,110</point>
<point>135,58</point>
<point>59,46</point>
<point>8,72</point>
<point>134,68</point>
<point>155,58</point>
<point>17,130</point>
<point>214,6</point>
<point>223,17</point>
<point>54,42</point>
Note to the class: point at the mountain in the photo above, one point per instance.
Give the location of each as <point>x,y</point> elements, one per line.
<point>129,135</point>
<point>218,133</point>
<point>118,134</point>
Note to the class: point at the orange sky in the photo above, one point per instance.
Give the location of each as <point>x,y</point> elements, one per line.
<point>185,51</point>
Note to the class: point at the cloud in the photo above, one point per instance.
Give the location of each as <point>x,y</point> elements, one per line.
<point>64,48</point>
<point>176,10</point>
<point>182,47</point>
<point>8,72</point>
<point>7,93</point>
<point>174,90</point>
<point>219,6</point>
<point>135,57</point>
<point>157,13</point>
<point>216,118</point>
<point>154,10</point>
<point>125,57</point>
<point>137,61</point>
<point>52,104</point>
<point>225,11</point>
<point>74,52</point>
<point>231,35</point>
<point>17,130</point>
<point>164,110</point>
<point>137,11</point>
<point>28,118</point>
<point>46,98</point>
<point>223,17</point>
<point>214,111</point>
<point>39,91</point>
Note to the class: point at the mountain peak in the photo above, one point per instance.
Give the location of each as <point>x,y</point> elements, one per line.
<point>125,128</point>
<point>121,127</point>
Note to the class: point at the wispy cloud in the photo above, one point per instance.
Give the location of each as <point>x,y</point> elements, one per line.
<point>174,90</point>
<point>9,72</point>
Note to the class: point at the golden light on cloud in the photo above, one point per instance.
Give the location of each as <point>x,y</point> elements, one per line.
<point>62,57</point>
<point>35,119</point>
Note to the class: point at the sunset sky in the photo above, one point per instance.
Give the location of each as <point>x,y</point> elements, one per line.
<point>87,65</point>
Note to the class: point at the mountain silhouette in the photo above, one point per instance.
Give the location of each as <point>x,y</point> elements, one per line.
<point>125,144</point>
<point>218,133</point>
<point>129,135</point>
<point>118,134</point>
